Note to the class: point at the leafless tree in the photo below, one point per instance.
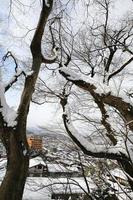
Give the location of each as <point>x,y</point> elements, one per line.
<point>105,51</point>
<point>13,131</point>
<point>102,54</point>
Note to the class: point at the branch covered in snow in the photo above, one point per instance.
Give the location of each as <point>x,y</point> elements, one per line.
<point>9,115</point>
<point>17,74</point>
<point>47,3</point>
<point>120,69</point>
<point>51,59</point>
<point>91,149</point>
<point>101,92</point>
<point>14,79</point>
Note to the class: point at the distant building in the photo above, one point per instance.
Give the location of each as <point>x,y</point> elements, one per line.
<point>58,170</point>
<point>67,196</point>
<point>35,142</point>
<point>37,167</point>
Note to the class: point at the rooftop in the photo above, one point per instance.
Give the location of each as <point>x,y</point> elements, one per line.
<point>36,161</point>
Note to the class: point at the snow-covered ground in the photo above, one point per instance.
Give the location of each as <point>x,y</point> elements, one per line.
<point>40,188</point>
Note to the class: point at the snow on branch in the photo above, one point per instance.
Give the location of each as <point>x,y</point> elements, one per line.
<point>47,3</point>
<point>120,69</point>
<point>102,92</point>
<point>91,149</point>
<point>9,115</point>
<point>72,76</point>
<point>8,55</point>
<point>51,59</point>
<point>18,72</point>
<point>14,79</point>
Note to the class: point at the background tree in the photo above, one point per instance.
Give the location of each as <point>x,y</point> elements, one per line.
<point>105,51</point>
<point>97,90</point>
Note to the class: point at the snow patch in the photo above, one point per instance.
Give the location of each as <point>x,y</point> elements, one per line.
<point>29,73</point>
<point>9,115</point>
<point>24,152</point>
<point>47,3</point>
<point>101,88</point>
<point>70,73</point>
<point>53,56</point>
<point>36,161</point>
<point>19,71</point>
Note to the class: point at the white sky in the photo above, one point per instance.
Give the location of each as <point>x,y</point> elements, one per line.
<point>38,115</point>
<point>43,115</point>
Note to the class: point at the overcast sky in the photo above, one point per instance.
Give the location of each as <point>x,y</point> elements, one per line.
<point>13,28</point>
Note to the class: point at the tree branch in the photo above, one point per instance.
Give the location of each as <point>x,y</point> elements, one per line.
<point>99,151</point>
<point>110,133</point>
<point>51,59</point>
<point>120,69</point>
<point>37,61</point>
<point>14,80</point>
<point>37,38</point>
<point>125,108</point>
<point>17,72</point>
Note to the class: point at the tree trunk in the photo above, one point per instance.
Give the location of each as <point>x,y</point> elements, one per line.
<point>14,138</point>
<point>17,168</point>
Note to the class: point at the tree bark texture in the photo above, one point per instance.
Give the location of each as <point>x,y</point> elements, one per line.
<point>17,166</point>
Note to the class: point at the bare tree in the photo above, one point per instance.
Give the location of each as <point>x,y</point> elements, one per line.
<point>13,125</point>
<point>102,54</point>
<point>102,49</point>
<point>105,52</point>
